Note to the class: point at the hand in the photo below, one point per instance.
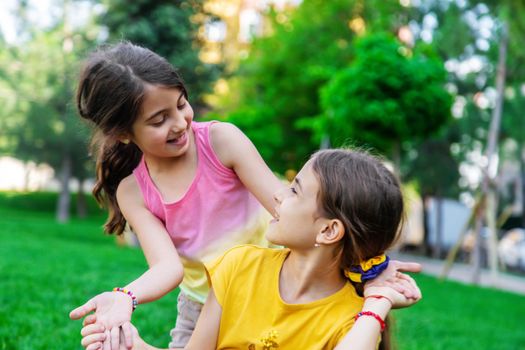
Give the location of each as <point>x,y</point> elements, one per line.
<point>390,288</point>
<point>94,336</point>
<point>112,310</point>
<point>409,290</point>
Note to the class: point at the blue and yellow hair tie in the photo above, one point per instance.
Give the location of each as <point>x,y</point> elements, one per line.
<point>368,270</point>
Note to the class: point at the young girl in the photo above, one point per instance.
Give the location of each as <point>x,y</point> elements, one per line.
<point>341,213</point>
<point>185,188</point>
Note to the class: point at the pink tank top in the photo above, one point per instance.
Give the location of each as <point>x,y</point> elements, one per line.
<point>216,213</point>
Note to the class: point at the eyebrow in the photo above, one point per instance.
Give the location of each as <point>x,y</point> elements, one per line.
<point>298,183</point>
<point>162,110</point>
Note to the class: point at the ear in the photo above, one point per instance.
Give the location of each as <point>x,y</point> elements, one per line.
<point>125,139</point>
<point>332,231</point>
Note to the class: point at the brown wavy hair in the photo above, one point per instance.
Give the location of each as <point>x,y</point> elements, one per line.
<point>110,93</point>
<point>356,188</point>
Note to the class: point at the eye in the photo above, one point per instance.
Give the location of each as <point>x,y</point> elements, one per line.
<point>182,105</point>
<point>159,120</point>
<point>294,191</point>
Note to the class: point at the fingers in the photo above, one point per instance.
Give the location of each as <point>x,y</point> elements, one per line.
<point>93,341</point>
<point>406,266</point>
<point>95,346</point>
<point>92,329</point>
<point>89,319</point>
<point>83,310</point>
<point>127,335</point>
<point>115,336</point>
<point>415,292</point>
<point>107,343</point>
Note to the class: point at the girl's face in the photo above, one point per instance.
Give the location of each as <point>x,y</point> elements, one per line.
<point>297,221</point>
<point>163,125</point>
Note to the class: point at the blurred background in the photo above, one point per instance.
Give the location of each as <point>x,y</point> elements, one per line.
<point>437,87</point>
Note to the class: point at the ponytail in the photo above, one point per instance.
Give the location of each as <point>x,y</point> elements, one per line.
<point>115,161</point>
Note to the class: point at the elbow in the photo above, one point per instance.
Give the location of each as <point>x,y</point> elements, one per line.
<point>177,274</point>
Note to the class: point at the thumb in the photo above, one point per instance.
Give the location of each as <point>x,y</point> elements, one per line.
<point>83,310</point>
<point>407,266</point>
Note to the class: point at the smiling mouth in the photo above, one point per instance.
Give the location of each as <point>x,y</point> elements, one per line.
<point>179,139</point>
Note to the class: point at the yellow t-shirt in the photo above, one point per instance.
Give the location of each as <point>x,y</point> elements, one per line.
<point>254,317</point>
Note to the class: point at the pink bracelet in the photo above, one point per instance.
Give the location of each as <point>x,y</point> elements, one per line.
<point>128,292</point>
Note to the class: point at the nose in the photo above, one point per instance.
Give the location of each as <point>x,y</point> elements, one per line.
<point>179,123</point>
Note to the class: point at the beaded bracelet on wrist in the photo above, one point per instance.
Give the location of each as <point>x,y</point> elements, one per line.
<point>128,292</point>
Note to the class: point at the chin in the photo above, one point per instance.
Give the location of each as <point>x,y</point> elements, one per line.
<point>272,237</point>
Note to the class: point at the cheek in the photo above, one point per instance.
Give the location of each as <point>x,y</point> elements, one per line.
<point>189,113</point>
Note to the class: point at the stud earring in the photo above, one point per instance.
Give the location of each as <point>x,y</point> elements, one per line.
<point>317,245</point>
<point>125,141</point>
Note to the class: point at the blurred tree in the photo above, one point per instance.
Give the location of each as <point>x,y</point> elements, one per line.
<point>278,83</point>
<point>169,28</point>
<point>434,168</point>
<point>38,76</point>
<point>387,96</point>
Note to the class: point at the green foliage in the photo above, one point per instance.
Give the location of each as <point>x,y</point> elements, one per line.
<point>37,82</point>
<point>44,202</point>
<point>386,96</point>
<point>170,29</point>
<point>278,84</point>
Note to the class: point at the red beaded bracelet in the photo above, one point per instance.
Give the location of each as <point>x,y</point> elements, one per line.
<point>374,315</point>
<point>128,292</point>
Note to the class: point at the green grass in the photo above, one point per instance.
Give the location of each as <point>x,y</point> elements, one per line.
<point>46,269</point>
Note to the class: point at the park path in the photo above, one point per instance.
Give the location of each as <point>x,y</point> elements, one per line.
<point>463,273</point>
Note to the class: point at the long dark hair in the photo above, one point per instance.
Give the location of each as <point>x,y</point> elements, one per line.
<point>359,190</point>
<point>110,94</point>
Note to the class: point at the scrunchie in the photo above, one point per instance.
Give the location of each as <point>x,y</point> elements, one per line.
<point>368,270</point>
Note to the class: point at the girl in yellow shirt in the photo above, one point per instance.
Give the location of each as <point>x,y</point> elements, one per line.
<point>339,216</point>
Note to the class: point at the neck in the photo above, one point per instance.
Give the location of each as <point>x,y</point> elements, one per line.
<point>158,165</point>
<point>310,275</point>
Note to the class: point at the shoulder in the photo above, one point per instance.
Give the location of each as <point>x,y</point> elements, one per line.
<point>245,252</point>
<point>223,134</point>
<point>244,256</point>
<point>229,143</point>
<point>128,189</point>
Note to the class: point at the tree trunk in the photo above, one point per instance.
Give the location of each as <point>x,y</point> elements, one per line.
<point>64,198</point>
<point>438,249</point>
<point>396,158</point>
<point>426,230</point>
<point>488,178</point>
<point>522,167</point>
<point>81,200</point>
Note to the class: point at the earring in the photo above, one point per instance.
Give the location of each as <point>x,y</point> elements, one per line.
<point>125,141</point>
<point>317,245</point>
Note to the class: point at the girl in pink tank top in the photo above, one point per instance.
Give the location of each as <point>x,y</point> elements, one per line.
<point>189,190</point>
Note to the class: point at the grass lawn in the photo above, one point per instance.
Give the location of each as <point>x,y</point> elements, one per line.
<point>46,269</point>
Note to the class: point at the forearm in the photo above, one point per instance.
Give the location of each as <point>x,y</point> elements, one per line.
<point>157,281</point>
<point>366,330</point>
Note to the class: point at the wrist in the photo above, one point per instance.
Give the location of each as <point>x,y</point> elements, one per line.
<point>380,306</point>
<point>134,301</point>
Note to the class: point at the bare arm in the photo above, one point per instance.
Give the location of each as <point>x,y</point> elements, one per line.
<point>165,268</point>
<point>237,152</point>
<point>204,336</point>
<point>113,309</point>
<point>206,331</point>
<point>394,286</point>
